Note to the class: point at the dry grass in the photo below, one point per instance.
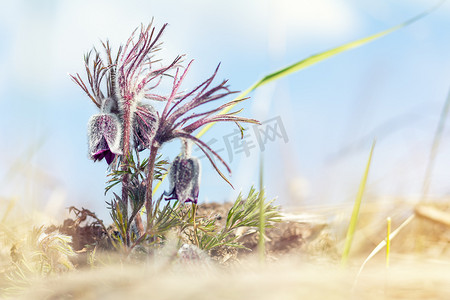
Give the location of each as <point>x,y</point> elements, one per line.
<point>420,266</point>
<point>285,279</point>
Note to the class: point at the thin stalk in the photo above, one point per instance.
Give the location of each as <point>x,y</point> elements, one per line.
<point>434,148</point>
<point>354,219</point>
<point>311,60</point>
<point>194,212</point>
<point>316,58</point>
<point>137,217</point>
<point>388,241</point>
<point>262,228</point>
<point>380,246</point>
<point>425,187</point>
<point>126,152</point>
<point>125,164</point>
<point>148,201</point>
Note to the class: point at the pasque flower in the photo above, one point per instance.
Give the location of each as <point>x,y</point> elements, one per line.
<point>184,176</point>
<point>104,134</point>
<point>120,86</point>
<point>179,120</point>
<point>128,75</point>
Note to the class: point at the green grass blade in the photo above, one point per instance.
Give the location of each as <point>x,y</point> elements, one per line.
<point>302,64</point>
<point>313,59</point>
<point>355,213</point>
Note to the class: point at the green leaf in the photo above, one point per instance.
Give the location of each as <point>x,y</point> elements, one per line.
<point>302,64</point>
<point>355,213</point>
<point>316,58</point>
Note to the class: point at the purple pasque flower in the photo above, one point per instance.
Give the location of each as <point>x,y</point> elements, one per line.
<point>104,129</point>
<point>135,68</point>
<point>104,135</point>
<point>128,75</point>
<point>178,119</point>
<point>184,176</point>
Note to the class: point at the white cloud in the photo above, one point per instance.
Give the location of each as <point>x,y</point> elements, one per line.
<point>324,17</point>
<point>48,40</point>
<point>305,20</point>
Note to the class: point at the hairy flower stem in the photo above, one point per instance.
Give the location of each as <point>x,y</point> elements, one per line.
<point>148,199</point>
<point>125,163</point>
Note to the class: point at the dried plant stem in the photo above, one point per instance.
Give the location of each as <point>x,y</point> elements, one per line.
<point>94,216</point>
<point>151,166</point>
<point>381,245</point>
<point>432,214</point>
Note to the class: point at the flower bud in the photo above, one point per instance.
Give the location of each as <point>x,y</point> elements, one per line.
<point>184,175</point>
<point>104,134</point>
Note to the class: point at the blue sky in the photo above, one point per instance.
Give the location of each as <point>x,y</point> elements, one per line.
<point>392,89</point>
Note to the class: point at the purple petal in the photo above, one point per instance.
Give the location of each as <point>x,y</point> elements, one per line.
<point>104,153</point>
<point>109,156</point>
<point>99,155</point>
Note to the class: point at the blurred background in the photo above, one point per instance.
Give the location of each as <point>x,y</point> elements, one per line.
<point>319,123</point>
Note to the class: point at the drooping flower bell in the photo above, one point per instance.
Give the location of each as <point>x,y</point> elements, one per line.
<point>104,134</point>
<point>184,176</point>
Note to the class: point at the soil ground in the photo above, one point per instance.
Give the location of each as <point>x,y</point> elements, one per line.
<point>302,255</point>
